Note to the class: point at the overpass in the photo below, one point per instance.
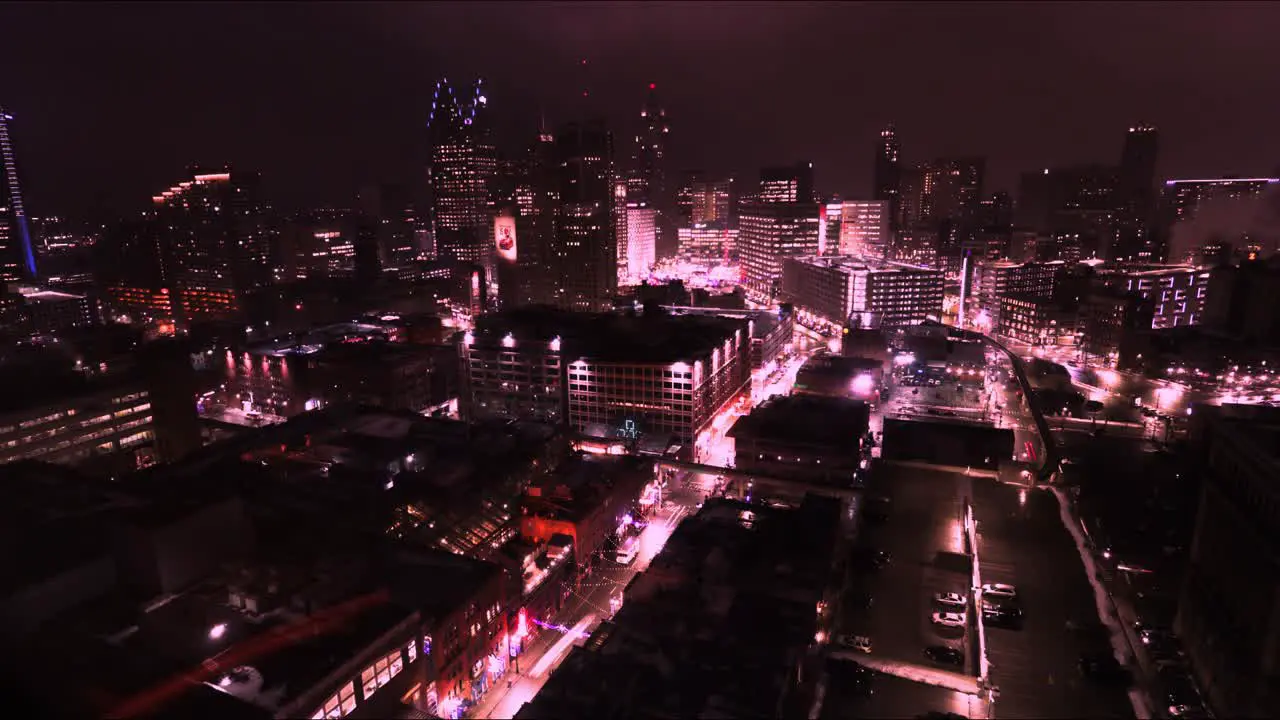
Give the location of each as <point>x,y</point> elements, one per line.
<point>803,486</point>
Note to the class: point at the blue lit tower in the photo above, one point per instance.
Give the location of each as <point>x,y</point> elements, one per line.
<point>17,259</point>
<point>463,162</point>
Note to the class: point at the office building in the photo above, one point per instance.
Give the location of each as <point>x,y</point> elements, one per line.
<point>865,228</point>
<point>648,183</point>
<point>1227,616</point>
<point>1185,197</point>
<point>1136,195</point>
<point>640,255</point>
<point>1037,321</point>
<point>212,239</point>
<point>316,245</point>
<point>586,223</point>
<point>708,241</point>
<point>36,310</point>
<point>463,163</point>
<point>1000,279</point>
<point>604,375</point>
<point>945,189</point>
<point>1109,320</point>
<point>830,216</point>
<point>832,290</point>
<point>771,331</point>
<point>17,253</point>
<point>531,273</point>
<point>769,232</point>
<point>704,200</point>
<point>789,184</point>
<point>886,181</point>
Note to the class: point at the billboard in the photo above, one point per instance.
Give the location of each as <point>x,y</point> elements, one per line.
<point>504,237</point>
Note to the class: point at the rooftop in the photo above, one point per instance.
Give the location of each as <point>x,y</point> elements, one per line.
<point>716,625</point>
<point>611,337</point>
<point>858,263</point>
<point>807,420</point>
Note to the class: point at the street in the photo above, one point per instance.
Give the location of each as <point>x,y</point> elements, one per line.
<point>587,606</point>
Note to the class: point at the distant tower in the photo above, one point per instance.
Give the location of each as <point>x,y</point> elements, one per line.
<point>887,175</point>
<point>648,181</point>
<point>1136,194</point>
<point>463,163</point>
<point>17,258</point>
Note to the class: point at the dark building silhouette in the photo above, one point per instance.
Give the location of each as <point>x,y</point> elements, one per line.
<point>887,176</point>
<point>586,245</point>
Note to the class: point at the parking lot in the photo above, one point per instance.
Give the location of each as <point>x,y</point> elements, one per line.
<point>1021,542</point>
<point>921,529</point>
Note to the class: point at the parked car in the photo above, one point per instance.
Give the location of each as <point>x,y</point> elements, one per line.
<point>1000,589</point>
<point>944,654</point>
<point>860,643</point>
<point>948,619</point>
<point>950,599</point>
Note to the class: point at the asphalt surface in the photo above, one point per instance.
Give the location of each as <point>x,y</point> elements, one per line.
<point>923,534</point>
<point>893,697</point>
<point>1021,542</point>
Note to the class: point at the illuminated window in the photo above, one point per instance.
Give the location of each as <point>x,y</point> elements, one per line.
<point>341,704</point>
<point>412,649</point>
<point>381,672</point>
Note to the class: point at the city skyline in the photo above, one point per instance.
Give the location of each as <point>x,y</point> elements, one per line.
<point>307,122</point>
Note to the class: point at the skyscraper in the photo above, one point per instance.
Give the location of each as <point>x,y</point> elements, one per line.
<point>1136,194</point>
<point>648,181</point>
<point>463,161</point>
<point>702,200</point>
<point>887,177</point>
<point>17,257</point>
<point>586,243</point>
<point>769,232</point>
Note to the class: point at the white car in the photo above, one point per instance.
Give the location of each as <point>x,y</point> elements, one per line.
<point>855,642</point>
<point>948,619</point>
<point>1000,589</point>
<point>951,599</point>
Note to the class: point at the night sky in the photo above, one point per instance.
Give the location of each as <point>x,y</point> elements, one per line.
<point>112,102</point>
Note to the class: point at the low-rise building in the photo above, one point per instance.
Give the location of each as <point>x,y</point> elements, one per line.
<point>734,565</point>
<point>1038,321</point>
<point>802,436</point>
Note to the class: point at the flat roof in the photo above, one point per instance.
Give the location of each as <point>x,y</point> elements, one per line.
<point>806,419</point>
<point>858,262</point>
<point>612,337</point>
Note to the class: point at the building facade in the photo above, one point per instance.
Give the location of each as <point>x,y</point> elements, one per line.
<point>770,232</point>
<point>864,228</point>
<point>75,429</point>
<point>586,222</point>
<point>463,163</point>
<point>17,254</point>
<point>1228,616</point>
<point>833,290</point>
<point>708,241</point>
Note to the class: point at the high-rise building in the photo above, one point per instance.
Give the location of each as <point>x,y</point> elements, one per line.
<point>790,184</point>
<point>463,162</point>
<point>1136,194</point>
<point>648,182</point>
<point>1186,196</point>
<point>640,255</point>
<point>17,256</point>
<point>770,231</point>
<point>534,275</point>
<point>708,241</point>
<point>702,200</point>
<point>586,242</point>
<point>830,222</point>
<point>886,180</point>
<point>865,227</point>
<point>213,238</point>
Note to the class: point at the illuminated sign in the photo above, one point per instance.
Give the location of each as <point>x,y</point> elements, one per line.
<point>504,237</point>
